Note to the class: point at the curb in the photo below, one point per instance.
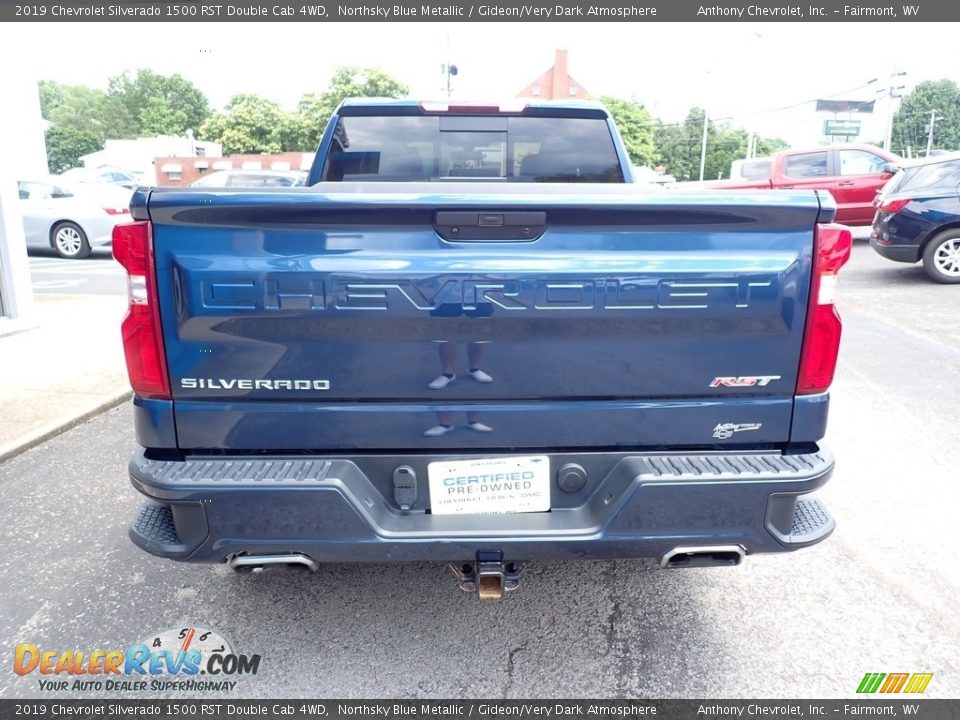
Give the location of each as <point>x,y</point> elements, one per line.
<point>50,430</point>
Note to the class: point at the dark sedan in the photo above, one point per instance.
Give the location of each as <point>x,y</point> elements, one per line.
<point>918,217</point>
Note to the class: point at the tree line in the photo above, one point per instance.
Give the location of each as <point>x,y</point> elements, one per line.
<point>145,103</point>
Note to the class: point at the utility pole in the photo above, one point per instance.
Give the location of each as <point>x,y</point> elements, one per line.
<point>892,94</point>
<point>448,70</point>
<point>703,147</point>
<point>930,128</point>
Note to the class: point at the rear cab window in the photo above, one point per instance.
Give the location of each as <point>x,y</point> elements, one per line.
<point>806,165</point>
<point>755,170</point>
<point>472,147</point>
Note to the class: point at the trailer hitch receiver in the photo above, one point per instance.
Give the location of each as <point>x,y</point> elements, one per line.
<point>489,576</point>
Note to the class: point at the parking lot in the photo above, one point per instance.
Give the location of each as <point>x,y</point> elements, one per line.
<point>879,596</point>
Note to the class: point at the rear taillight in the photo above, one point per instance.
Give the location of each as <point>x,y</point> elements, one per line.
<point>142,336</point>
<point>821,337</point>
<point>893,206</point>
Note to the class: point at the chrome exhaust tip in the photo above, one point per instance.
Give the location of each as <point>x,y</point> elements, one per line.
<point>259,563</point>
<point>703,556</point>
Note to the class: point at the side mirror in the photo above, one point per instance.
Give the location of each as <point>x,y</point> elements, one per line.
<point>890,169</point>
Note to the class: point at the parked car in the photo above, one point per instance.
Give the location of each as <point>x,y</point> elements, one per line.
<point>251,179</point>
<point>100,175</point>
<point>851,173</point>
<point>918,217</point>
<point>71,219</point>
<point>644,174</point>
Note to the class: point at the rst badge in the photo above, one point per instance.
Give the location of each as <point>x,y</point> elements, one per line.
<point>743,381</point>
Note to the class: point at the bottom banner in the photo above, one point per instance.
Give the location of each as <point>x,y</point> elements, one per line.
<point>481,709</point>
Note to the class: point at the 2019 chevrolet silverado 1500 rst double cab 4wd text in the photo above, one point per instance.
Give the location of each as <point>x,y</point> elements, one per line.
<point>472,339</point>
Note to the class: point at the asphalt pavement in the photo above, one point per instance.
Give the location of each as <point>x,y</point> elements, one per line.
<point>879,596</point>
<point>98,274</point>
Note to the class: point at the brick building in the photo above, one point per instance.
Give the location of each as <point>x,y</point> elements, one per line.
<point>182,171</point>
<point>556,83</point>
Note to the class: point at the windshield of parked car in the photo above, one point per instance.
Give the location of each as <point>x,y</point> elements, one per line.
<point>527,149</point>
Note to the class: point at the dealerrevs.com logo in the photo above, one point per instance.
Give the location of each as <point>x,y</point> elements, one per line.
<point>193,659</point>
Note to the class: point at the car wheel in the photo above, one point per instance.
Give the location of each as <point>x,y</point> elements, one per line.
<point>69,240</point>
<point>941,257</point>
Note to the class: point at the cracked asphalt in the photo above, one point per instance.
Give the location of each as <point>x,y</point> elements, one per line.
<point>878,596</point>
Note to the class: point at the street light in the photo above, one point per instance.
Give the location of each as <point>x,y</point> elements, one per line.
<point>448,69</point>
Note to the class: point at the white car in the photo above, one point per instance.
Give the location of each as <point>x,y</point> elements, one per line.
<point>71,219</point>
<point>644,174</point>
<point>101,175</point>
<point>252,179</point>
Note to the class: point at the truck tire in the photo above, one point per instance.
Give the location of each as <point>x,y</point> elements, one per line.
<point>69,240</point>
<point>941,257</point>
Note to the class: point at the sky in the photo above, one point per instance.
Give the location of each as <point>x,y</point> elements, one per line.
<point>742,71</point>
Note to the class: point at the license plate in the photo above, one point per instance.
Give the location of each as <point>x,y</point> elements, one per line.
<point>490,485</point>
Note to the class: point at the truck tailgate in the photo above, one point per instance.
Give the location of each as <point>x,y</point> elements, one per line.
<point>323,319</point>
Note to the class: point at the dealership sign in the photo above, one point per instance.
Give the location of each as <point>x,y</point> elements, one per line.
<point>841,128</point>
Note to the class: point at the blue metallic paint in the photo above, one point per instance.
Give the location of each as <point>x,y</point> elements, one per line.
<point>263,296</point>
<point>153,423</point>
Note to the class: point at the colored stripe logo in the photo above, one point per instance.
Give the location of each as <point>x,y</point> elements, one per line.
<point>894,682</point>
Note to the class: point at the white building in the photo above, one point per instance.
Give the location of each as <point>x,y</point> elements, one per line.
<point>138,155</point>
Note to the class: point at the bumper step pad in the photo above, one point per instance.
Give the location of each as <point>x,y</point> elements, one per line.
<point>798,521</point>
<point>155,529</point>
<point>155,523</point>
<point>811,522</point>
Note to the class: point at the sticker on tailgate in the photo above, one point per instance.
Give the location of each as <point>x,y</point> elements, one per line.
<point>490,485</point>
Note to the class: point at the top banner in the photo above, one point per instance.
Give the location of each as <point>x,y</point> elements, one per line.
<point>470,11</point>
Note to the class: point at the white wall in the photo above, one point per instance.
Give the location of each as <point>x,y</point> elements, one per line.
<point>25,155</point>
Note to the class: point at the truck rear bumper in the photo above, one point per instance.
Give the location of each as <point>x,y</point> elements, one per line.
<point>212,509</point>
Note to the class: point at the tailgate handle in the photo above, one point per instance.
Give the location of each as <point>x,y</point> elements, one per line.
<point>490,225</point>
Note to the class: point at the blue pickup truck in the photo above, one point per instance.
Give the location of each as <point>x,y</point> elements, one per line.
<point>472,339</point>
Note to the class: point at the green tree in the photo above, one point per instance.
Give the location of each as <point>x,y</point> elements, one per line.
<point>306,124</point>
<point>158,104</point>
<point>65,146</point>
<point>911,121</point>
<point>78,107</point>
<point>679,147</point>
<point>314,111</point>
<point>248,124</point>
<point>636,128</point>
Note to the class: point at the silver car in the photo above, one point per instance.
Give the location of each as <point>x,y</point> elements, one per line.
<point>71,219</point>
<point>101,175</point>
